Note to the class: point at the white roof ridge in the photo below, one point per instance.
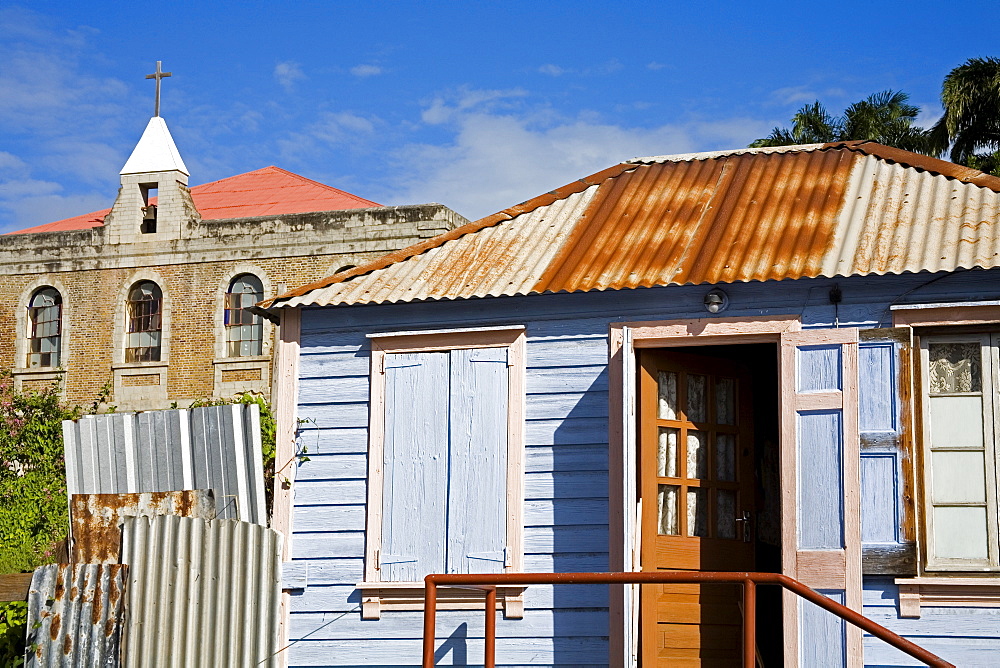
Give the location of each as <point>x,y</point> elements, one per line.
<point>155,152</point>
<point>709,155</point>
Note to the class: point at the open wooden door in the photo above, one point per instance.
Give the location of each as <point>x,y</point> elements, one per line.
<point>820,488</point>
<point>697,490</point>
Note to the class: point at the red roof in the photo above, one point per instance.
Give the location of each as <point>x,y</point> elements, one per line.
<point>269,191</point>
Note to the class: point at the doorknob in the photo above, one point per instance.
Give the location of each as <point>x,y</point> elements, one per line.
<point>744,523</point>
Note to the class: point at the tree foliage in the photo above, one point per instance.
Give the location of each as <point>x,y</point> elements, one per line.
<point>886,117</point>
<point>33,504</point>
<point>970,126</point>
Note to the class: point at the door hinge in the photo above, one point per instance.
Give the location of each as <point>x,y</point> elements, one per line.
<point>378,557</point>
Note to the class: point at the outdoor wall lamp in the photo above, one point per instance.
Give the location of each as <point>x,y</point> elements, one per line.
<point>716,301</point>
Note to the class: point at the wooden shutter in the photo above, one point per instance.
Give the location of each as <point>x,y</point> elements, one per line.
<point>477,479</point>
<point>821,542</point>
<point>887,513</point>
<point>415,460</point>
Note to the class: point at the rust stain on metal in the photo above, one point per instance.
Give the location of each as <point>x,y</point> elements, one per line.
<point>97,518</point>
<point>740,218</point>
<point>75,614</point>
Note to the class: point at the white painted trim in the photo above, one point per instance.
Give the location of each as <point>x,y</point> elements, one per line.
<point>511,337</point>
<point>913,307</point>
<point>460,330</point>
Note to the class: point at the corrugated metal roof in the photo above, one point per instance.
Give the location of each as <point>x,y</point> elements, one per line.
<point>202,594</point>
<point>749,215</point>
<point>213,447</point>
<point>97,518</point>
<point>75,615</point>
<point>269,191</point>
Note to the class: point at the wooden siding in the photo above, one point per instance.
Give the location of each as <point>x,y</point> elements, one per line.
<point>967,637</point>
<point>566,442</point>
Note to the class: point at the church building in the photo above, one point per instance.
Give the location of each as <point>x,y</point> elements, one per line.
<point>149,298</point>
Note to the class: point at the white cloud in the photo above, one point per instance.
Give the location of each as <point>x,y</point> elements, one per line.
<point>287,73</point>
<point>552,70</point>
<point>445,107</point>
<point>655,66</point>
<point>499,159</point>
<point>366,70</point>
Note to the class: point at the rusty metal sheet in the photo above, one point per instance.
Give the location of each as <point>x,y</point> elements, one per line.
<point>211,447</point>
<point>75,616</point>
<point>203,593</point>
<point>850,208</point>
<point>97,518</point>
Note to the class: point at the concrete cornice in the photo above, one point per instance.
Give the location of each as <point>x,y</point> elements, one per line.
<point>323,233</point>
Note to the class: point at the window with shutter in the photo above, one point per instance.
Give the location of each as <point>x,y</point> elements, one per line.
<point>961,422</point>
<point>445,461</point>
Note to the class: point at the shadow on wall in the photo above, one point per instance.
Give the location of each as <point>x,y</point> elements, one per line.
<point>579,498</point>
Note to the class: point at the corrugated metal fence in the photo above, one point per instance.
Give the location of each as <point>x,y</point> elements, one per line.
<point>201,593</point>
<point>213,447</point>
<point>75,616</point>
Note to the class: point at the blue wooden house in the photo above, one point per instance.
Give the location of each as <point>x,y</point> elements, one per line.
<point>777,359</point>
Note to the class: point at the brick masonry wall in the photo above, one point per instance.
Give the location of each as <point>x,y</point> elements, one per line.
<point>93,276</point>
<point>90,301</point>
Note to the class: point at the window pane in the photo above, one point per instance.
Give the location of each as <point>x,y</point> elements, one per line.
<point>956,421</point>
<point>666,453</point>
<point>960,533</point>
<point>697,512</point>
<point>697,455</point>
<point>725,456</point>
<point>958,477</point>
<point>696,404</point>
<point>667,381</point>
<point>666,499</point>
<point>725,401</point>
<point>954,367</point>
<point>725,513</point>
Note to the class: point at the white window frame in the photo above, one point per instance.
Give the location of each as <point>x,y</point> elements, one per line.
<point>989,342</point>
<point>409,595</point>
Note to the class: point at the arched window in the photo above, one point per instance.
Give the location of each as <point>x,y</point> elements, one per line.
<point>144,322</point>
<point>45,323</point>
<point>244,330</point>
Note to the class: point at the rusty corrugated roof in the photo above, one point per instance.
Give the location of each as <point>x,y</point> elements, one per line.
<point>749,215</point>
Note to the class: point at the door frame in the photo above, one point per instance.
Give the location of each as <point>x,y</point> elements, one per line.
<point>624,339</point>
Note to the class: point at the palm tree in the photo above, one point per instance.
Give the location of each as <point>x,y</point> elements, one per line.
<point>885,117</point>
<point>970,126</point>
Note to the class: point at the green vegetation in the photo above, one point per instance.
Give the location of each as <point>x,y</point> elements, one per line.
<point>885,117</point>
<point>968,133</point>
<point>33,506</point>
<point>13,629</point>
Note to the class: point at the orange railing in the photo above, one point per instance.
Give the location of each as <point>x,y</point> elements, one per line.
<point>489,583</point>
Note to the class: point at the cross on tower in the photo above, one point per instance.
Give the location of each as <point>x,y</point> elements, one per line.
<point>158,74</point>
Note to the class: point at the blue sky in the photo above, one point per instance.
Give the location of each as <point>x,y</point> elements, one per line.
<point>477,105</point>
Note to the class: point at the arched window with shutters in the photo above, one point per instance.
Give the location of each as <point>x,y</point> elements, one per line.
<point>45,328</point>
<point>144,323</point>
<point>244,330</point>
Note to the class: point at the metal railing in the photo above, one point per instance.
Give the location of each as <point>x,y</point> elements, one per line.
<point>488,582</point>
